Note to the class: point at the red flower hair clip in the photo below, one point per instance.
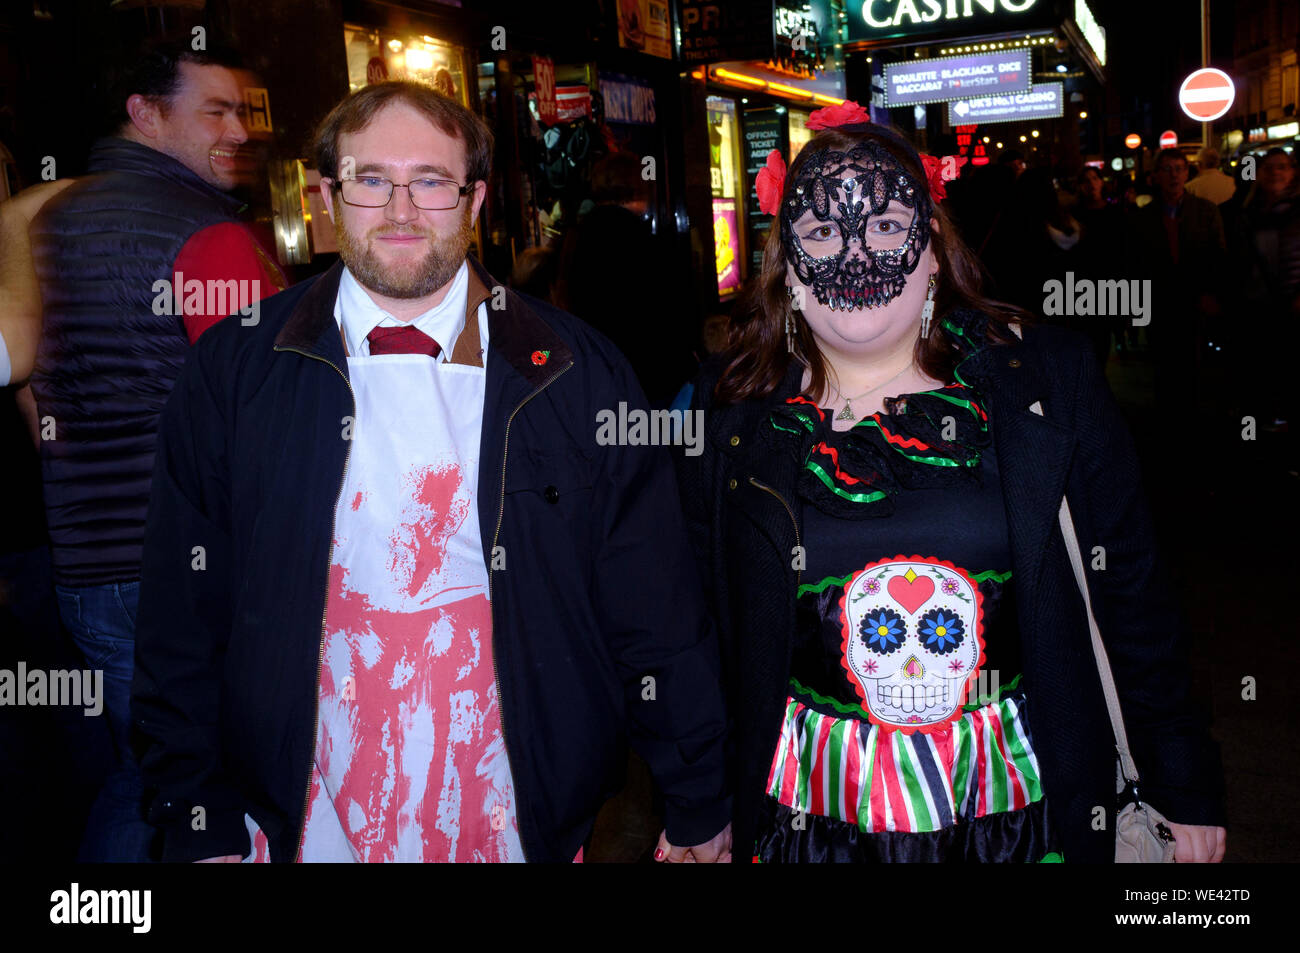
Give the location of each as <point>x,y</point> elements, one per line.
<point>847,113</point>
<point>770,183</point>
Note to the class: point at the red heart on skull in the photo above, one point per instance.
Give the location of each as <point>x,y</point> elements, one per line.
<point>911,595</point>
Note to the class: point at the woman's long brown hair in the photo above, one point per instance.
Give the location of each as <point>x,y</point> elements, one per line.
<point>757,359</point>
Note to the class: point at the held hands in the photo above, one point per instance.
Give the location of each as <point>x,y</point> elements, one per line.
<point>715,851</point>
<point>1197,845</point>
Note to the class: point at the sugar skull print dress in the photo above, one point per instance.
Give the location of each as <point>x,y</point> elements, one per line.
<point>907,730</point>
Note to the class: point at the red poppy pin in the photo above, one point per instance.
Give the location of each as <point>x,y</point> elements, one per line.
<point>541,357</point>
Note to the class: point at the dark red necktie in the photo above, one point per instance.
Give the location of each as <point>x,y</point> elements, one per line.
<point>403,340</point>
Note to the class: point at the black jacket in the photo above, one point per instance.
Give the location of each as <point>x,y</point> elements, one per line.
<point>744,516</point>
<point>591,591</point>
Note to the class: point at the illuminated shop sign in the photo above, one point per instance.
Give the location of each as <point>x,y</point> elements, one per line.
<point>956,77</point>
<point>890,19</point>
<point>1092,30</point>
<point>1044,101</point>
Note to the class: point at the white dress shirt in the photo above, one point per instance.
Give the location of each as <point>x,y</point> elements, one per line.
<point>358,315</point>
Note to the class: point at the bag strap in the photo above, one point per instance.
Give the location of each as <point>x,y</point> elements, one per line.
<point>1127,767</point>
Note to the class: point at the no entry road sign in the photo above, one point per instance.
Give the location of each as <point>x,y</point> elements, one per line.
<point>1207,94</point>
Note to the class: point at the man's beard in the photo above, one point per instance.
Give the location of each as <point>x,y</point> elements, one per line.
<point>411,280</point>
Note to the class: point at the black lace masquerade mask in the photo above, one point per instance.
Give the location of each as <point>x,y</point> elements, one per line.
<point>870,223</point>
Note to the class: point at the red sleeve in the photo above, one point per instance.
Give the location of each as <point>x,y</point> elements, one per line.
<point>218,254</point>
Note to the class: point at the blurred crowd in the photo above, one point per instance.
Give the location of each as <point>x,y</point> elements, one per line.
<point>1221,251</point>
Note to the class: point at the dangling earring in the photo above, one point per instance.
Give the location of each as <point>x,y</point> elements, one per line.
<point>927,310</point>
<point>789,322</point>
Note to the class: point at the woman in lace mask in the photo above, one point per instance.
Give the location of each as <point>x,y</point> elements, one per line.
<point>905,648</point>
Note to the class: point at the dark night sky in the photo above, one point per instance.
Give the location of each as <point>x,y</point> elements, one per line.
<point>1154,44</point>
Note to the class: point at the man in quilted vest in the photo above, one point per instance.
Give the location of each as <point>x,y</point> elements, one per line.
<point>135,261</point>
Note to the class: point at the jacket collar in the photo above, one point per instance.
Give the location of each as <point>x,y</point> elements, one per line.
<point>115,154</point>
<point>515,332</point>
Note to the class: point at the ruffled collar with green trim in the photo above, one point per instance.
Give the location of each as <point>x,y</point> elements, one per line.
<point>929,439</point>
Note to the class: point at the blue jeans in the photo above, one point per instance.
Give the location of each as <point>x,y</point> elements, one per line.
<point>102,622</point>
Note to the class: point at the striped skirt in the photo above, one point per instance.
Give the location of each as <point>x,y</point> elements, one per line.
<point>833,765</point>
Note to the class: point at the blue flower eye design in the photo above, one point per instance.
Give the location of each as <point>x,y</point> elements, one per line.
<point>942,631</point>
<point>882,630</point>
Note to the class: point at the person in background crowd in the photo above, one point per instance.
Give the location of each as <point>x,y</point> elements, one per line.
<point>1211,183</point>
<point>604,262</point>
<point>154,208</point>
<point>1269,247</point>
<point>534,272</point>
<point>1034,241</point>
<point>444,598</point>
<point>1178,240</point>
<point>867,555</point>
<point>1101,255</point>
<point>1014,160</point>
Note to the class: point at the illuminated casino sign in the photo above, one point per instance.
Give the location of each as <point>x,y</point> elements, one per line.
<point>956,77</point>
<point>1044,101</point>
<point>908,19</point>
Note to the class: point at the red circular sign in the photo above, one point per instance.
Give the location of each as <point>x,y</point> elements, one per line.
<point>1207,94</point>
<point>1132,140</point>
<point>1168,139</point>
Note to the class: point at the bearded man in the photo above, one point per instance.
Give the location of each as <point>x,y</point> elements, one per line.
<point>398,602</point>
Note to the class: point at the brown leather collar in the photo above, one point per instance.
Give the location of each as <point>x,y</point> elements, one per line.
<point>468,349</point>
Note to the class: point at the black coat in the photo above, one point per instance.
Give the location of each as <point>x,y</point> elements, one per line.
<point>743,511</point>
<point>591,596</point>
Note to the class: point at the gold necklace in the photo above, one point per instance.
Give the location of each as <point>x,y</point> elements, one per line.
<point>847,412</point>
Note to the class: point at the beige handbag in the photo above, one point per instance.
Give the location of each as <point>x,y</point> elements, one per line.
<point>1142,835</point>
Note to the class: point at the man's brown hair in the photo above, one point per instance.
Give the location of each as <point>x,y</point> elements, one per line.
<point>360,108</point>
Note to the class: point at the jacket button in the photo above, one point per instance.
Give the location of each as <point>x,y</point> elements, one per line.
<point>731,484</point>
<point>1014,362</point>
<point>552,494</point>
<point>735,441</point>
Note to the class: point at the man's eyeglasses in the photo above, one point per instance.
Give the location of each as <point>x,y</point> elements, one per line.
<point>431,195</point>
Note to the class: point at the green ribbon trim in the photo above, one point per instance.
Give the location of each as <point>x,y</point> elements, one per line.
<point>933,461</point>
<point>1053,857</point>
<point>989,699</point>
<point>851,497</point>
<point>814,588</point>
<point>856,710</point>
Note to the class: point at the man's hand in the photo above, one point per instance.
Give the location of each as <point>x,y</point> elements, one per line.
<point>715,851</point>
<point>1197,845</point>
<point>227,859</point>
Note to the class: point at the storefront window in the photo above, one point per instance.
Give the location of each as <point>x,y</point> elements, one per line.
<point>724,176</point>
<point>378,55</point>
<point>799,131</point>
